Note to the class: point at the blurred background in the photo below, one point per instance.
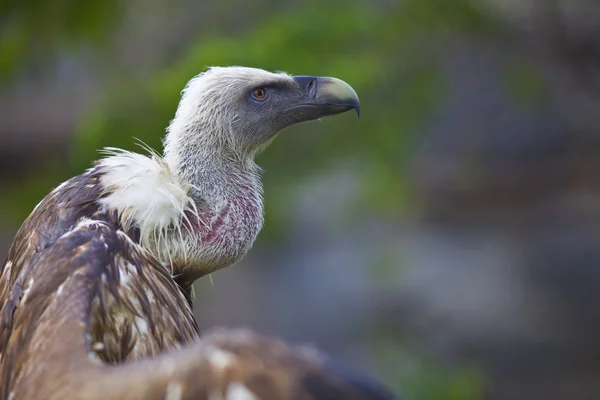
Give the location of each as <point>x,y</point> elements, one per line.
<point>448,242</point>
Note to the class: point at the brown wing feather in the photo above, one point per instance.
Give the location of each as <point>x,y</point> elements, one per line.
<point>55,215</point>
<point>82,278</point>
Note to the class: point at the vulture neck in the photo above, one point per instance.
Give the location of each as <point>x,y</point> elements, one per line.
<point>214,173</point>
<point>226,191</point>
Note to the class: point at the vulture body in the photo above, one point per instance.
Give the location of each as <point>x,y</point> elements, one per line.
<point>96,289</point>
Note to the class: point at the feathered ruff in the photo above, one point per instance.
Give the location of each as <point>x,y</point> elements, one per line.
<point>149,197</point>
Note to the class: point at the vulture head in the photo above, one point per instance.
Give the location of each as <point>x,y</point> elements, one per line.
<point>239,110</point>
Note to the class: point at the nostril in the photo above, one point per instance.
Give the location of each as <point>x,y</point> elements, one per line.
<point>312,88</point>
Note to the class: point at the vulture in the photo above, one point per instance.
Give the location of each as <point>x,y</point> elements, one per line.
<point>96,290</point>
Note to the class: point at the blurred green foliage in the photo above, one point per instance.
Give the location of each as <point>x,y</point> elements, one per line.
<point>381,48</point>
<point>34,30</point>
<point>526,85</point>
<point>417,375</point>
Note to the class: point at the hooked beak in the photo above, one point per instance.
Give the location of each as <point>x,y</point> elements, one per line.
<point>322,97</point>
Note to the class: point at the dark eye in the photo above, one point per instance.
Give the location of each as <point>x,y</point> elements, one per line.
<point>259,93</point>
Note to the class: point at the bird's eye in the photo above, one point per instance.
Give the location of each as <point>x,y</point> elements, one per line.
<point>259,93</point>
